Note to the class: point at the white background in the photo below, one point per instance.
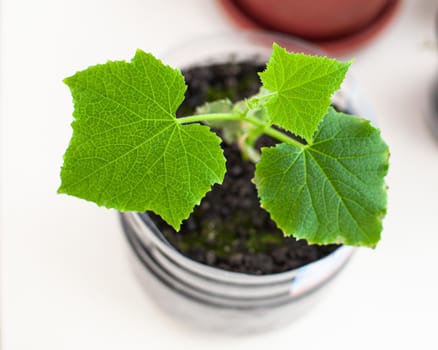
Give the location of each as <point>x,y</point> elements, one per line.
<point>66,281</point>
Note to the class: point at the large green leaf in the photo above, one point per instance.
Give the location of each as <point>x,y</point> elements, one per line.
<point>301,87</point>
<point>331,191</point>
<point>128,150</point>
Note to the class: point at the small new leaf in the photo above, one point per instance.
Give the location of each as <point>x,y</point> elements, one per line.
<point>331,191</point>
<point>219,106</point>
<point>128,152</point>
<point>231,129</point>
<point>301,88</point>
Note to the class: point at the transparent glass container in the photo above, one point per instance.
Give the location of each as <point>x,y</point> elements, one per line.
<point>212,298</point>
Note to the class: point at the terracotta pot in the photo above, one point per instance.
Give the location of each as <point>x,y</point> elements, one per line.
<point>337,26</point>
<point>315,19</point>
<point>433,98</point>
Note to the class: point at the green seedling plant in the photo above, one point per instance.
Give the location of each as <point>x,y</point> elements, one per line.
<point>323,181</point>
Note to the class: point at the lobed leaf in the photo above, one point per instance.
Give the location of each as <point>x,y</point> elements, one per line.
<point>128,150</point>
<point>301,87</point>
<point>331,191</point>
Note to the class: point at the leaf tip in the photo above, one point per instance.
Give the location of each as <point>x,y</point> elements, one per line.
<point>176,226</point>
<point>278,49</point>
<point>62,189</point>
<point>139,52</point>
<point>275,46</point>
<point>69,81</point>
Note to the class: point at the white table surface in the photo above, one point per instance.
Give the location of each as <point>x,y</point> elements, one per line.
<point>66,280</point>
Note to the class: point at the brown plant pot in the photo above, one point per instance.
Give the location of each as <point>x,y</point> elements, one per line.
<point>338,26</point>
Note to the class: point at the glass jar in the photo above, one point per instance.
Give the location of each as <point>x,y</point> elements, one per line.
<point>209,297</point>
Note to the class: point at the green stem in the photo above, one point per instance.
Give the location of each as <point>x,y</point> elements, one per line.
<point>278,135</point>
<point>211,116</point>
<point>265,96</point>
<point>268,130</point>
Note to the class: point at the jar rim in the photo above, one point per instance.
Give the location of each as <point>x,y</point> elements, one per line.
<point>149,234</point>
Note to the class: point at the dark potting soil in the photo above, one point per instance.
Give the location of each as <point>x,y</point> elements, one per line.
<point>229,229</point>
